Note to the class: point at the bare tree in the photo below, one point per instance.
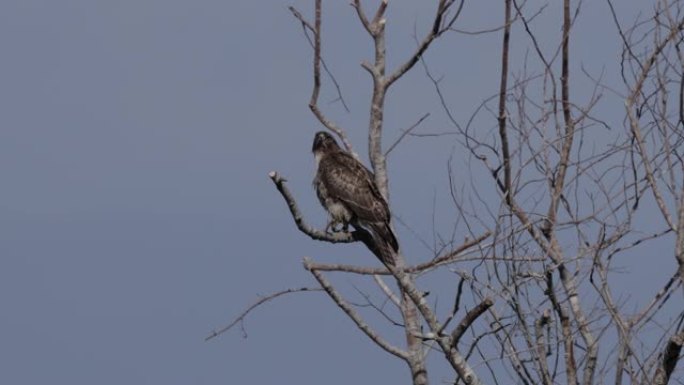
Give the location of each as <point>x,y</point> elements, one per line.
<point>576,192</point>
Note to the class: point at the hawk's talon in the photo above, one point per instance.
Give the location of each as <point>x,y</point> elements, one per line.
<point>331,227</point>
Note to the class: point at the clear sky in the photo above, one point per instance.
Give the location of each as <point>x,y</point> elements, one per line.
<point>136,214</point>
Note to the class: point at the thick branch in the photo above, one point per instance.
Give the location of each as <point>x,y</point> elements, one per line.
<point>469,318</point>
<point>503,86</point>
<point>377,110</point>
<point>453,355</point>
<point>669,359</point>
<point>541,346</point>
<point>558,182</point>
<point>679,245</point>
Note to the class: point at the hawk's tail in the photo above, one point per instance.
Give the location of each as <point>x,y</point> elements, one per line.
<point>385,241</point>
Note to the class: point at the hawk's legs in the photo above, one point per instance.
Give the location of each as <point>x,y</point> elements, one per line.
<point>331,227</point>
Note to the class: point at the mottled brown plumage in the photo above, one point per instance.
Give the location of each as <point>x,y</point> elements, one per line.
<point>347,190</point>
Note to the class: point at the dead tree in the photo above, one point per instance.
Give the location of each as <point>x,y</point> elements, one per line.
<point>576,193</point>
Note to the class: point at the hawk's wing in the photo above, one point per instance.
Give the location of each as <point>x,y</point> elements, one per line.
<point>350,182</point>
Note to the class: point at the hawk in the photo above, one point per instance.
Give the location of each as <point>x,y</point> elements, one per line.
<point>347,190</point>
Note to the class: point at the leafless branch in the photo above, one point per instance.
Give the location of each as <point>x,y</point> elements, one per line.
<point>559,213</point>
<point>386,289</point>
<point>503,132</point>
<point>436,30</point>
<point>469,318</point>
<point>313,103</point>
<point>406,132</point>
<point>669,359</point>
<point>257,303</point>
<point>307,27</point>
<point>319,235</point>
<point>444,259</point>
<point>539,325</point>
<point>353,315</point>
<point>636,128</point>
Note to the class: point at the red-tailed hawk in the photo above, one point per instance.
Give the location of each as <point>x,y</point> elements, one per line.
<point>347,190</point>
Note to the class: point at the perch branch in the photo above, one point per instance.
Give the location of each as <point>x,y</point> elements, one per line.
<point>316,234</point>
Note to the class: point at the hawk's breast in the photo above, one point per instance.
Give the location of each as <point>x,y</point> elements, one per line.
<point>337,210</point>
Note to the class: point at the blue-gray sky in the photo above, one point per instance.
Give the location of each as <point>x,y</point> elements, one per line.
<point>135,210</point>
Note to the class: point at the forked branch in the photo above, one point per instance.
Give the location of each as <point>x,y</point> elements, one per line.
<point>349,310</point>
<point>317,61</point>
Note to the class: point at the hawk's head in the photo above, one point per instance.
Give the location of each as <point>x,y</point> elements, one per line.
<point>324,142</point>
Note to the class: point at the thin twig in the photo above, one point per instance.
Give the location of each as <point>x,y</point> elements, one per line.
<point>241,317</point>
<point>406,132</point>
<point>435,31</point>
<point>306,26</point>
<point>313,102</point>
<point>420,268</point>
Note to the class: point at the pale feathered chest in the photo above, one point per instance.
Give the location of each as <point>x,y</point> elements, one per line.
<point>336,208</point>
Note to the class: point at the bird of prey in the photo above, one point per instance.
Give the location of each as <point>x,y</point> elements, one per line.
<point>347,190</point>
